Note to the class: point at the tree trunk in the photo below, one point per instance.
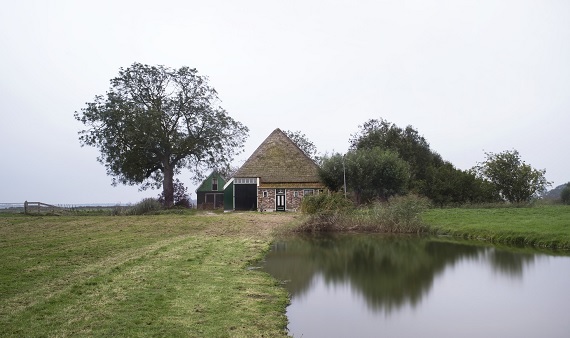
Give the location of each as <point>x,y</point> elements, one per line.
<point>168,185</point>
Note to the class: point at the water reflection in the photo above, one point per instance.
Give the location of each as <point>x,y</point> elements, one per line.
<point>509,263</point>
<point>387,271</point>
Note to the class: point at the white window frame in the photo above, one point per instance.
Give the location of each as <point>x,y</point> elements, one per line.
<point>308,192</point>
<point>245,180</point>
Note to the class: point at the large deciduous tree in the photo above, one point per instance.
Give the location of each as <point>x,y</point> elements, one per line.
<point>512,178</point>
<point>448,185</point>
<point>376,174</point>
<point>181,196</point>
<point>407,143</point>
<point>430,175</point>
<point>303,143</point>
<point>332,171</point>
<point>156,120</point>
<point>370,173</point>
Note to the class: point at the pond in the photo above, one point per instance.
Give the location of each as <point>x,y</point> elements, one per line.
<point>368,285</point>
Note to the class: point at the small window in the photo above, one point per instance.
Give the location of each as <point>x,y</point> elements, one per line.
<point>295,193</point>
<point>265,193</point>
<point>214,184</point>
<point>308,192</point>
<point>245,181</point>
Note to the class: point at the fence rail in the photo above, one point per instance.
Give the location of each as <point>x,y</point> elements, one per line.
<point>11,207</point>
<point>41,207</point>
<point>30,207</point>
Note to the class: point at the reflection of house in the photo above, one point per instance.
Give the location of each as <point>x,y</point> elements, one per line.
<point>274,178</point>
<point>210,193</point>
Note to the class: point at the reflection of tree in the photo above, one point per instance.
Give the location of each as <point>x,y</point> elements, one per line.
<point>389,271</point>
<point>510,263</point>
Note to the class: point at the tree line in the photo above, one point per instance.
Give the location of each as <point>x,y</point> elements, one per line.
<point>155,121</point>
<point>385,160</point>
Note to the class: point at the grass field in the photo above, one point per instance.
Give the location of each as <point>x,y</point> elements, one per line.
<point>185,275</point>
<point>166,275</point>
<point>545,226</point>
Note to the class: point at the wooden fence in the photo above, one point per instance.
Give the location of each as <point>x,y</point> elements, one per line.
<point>30,207</point>
<point>40,207</point>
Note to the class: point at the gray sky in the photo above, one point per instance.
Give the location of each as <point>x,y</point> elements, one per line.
<point>470,76</point>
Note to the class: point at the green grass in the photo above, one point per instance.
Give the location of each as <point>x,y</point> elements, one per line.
<point>165,275</point>
<point>185,275</point>
<point>545,226</point>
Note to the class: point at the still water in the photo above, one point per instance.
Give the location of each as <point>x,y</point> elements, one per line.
<point>394,286</point>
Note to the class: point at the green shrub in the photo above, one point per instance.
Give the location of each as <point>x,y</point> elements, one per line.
<point>326,202</point>
<point>118,210</point>
<point>146,206</point>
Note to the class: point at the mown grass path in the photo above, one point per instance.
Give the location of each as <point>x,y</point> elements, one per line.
<point>166,275</point>
<point>541,226</point>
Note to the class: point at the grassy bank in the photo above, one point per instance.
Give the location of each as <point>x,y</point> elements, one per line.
<point>541,226</point>
<point>165,275</point>
<point>185,275</point>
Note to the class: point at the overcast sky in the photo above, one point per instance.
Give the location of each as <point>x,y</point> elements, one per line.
<point>470,76</point>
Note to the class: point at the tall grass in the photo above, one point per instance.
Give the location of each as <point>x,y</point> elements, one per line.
<point>146,206</point>
<point>400,214</point>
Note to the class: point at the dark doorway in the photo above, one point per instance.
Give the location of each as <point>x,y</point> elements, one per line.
<point>245,196</point>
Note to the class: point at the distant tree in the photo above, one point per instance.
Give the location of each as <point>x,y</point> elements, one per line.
<point>303,143</point>
<point>375,174</point>
<point>407,143</point>
<point>156,120</point>
<point>331,171</point>
<point>554,193</point>
<point>512,178</point>
<point>448,185</point>
<point>181,196</point>
<point>565,194</point>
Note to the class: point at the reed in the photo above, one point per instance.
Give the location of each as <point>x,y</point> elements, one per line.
<point>400,214</point>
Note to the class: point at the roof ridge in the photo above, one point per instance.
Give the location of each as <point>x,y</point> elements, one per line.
<point>279,159</point>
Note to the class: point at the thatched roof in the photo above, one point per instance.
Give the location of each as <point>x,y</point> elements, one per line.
<point>279,160</point>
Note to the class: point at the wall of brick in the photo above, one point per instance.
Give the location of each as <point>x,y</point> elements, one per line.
<point>293,198</point>
<point>266,201</point>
